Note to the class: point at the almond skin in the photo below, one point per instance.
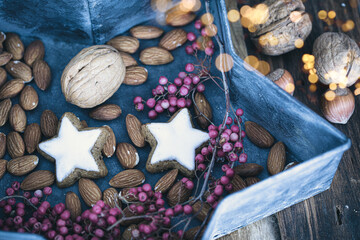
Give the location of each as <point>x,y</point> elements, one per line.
<point>165,183</point>
<point>127,178</point>
<point>5,57</point>
<point>106,112</point>
<point>32,137</point>
<point>127,155</point>
<point>15,145</point>
<point>178,194</point>
<point>126,196</point>
<point>248,169</point>
<point>177,18</point>
<point>110,197</point>
<point>3,76</point>
<point>89,191</point>
<point>276,158</point>
<point>3,164</point>
<point>29,98</point>
<point>124,44</point>
<point>14,45</point>
<point>251,181</point>
<point>22,165</point>
<point>146,32</point>
<point>238,183</point>
<point>128,59</point>
<point>258,135</point>
<point>48,123</point>
<point>17,118</point>
<point>73,204</point>
<point>42,74</point>
<point>133,127</point>
<point>135,75</point>
<point>5,107</point>
<point>110,144</point>
<point>19,70</point>
<point>127,232</point>
<point>173,39</point>
<point>155,56</point>
<point>11,88</point>
<point>202,110</point>
<point>2,144</point>
<point>33,52</point>
<point>38,180</point>
<point>191,233</point>
<point>202,208</point>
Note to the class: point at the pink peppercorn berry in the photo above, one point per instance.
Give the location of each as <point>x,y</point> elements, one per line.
<point>137,99</point>
<point>189,67</point>
<point>163,80</point>
<point>191,36</point>
<point>47,191</point>
<point>189,50</point>
<point>243,158</point>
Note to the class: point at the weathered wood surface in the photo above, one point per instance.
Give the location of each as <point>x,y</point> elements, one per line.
<point>333,214</point>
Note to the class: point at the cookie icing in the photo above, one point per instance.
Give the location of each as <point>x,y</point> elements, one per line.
<point>177,140</point>
<point>71,149</point>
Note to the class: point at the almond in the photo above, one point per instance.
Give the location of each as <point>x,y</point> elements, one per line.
<point>155,56</point>
<point>84,124</point>
<point>22,165</point>
<point>110,197</point>
<point>128,214</point>
<point>146,32</point>
<point>32,137</point>
<point>127,178</point>
<point>15,145</point>
<point>248,169</point>
<point>127,155</point>
<point>5,107</point>
<point>110,144</point>
<point>258,135</point>
<point>5,57</point>
<point>124,44</point>
<point>135,75</point>
<point>133,127</point>
<point>48,123</point>
<point>177,18</point>
<point>33,52</point>
<point>29,98</point>
<point>202,208</point>
<point>73,204</point>
<point>105,112</point>
<point>128,59</point>
<point>17,118</point>
<point>3,164</point>
<point>3,76</point>
<point>42,74</point>
<point>38,180</point>
<point>14,45</point>
<point>11,88</point>
<point>126,196</point>
<point>127,235</point>
<point>178,194</point>
<point>203,110</point>
<point>192,233</point>
<point>238,183</point>
<point>89,191</point>
<point>276,158</point>
<point>251,181</point>
<point>173,39</point>
<point>2,144</point>
<point>165,183</point>
<point>19,70</point>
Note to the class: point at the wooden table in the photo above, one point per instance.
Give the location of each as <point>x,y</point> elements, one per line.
<point>333,214</point>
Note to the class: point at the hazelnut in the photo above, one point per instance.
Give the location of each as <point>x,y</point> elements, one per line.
<point>283,79</point>
<point>339,109</point>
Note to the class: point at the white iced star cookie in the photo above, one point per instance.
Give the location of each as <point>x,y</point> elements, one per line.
<point>76,151</point>
<point>173,143</point>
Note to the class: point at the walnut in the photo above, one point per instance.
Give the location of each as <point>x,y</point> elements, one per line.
<point>286,22</point>
<point>337,59</point>
<point>93,76</point>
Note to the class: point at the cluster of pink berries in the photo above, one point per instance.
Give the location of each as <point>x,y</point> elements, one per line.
<point>171,96</point>
<point>206,44</point>
<point>159,218</point>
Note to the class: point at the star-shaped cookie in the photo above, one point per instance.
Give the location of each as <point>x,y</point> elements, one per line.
<point>76,151</point>
<point>173,143</point>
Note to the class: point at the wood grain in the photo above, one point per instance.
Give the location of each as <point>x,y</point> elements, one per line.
<point>333,214</point>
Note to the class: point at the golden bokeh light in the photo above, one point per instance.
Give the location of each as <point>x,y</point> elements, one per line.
<point>233,15</point>
<point>342,85</point>
<point>357,85</point>
<point>160,5</point>
<point>313,78</point>
<point>290,87</point>
<point>330,95</point>
<point>211,30</point>
<point>305,58</point>
<point>252,28</point>
<point>333,86</point>
<point>348,26</point>
<point>224,62</point>
<point>244,9</point>
<point>299,43</point>
<point>254,16</point>
<point>207,18</point>
<point>331,14</point>
<point>322,14</point>
<point>295,16</point>
<point>253,61</point>
<point>312,88</point>
<point>357,91</point>
<point>190,5</point>
<point>264,67</point>
<point>312,71</point>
